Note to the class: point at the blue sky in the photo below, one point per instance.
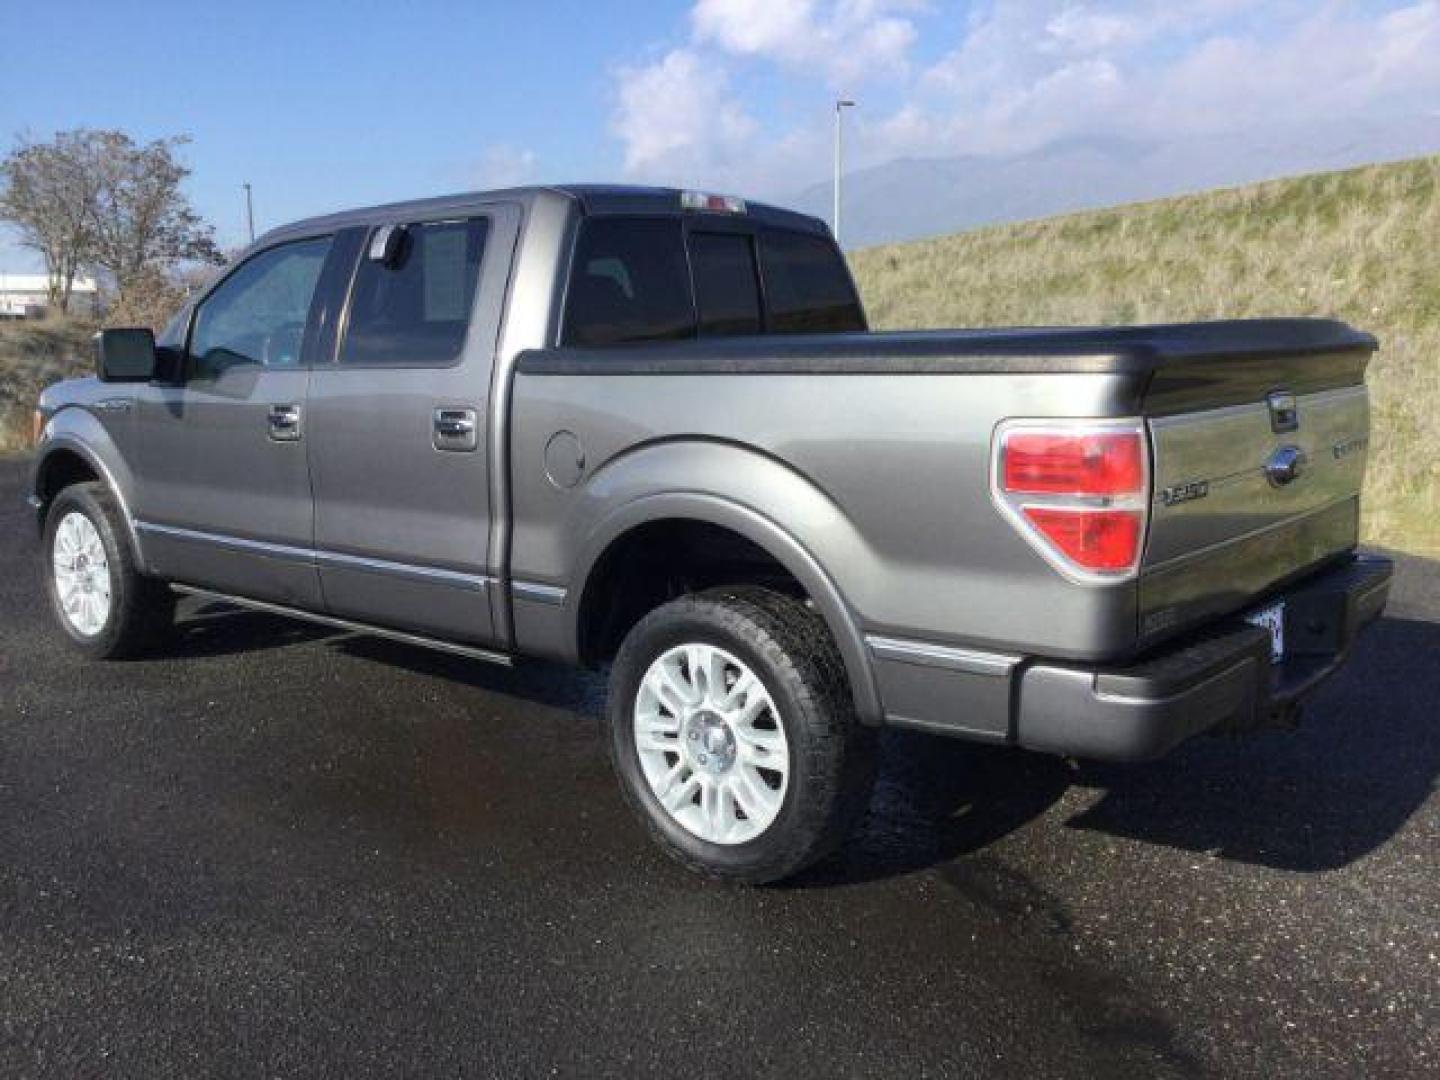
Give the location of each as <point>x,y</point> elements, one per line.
<point>325,104</point>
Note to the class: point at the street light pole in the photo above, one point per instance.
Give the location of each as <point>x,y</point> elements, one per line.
<point>249,211</point>
<point>841,104</point>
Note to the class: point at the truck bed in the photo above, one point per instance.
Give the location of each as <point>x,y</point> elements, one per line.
<point>903,462</point>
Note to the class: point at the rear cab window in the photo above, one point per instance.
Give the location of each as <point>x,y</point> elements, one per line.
<point>727,287</point>
<point>669,278</point>
<point>630,283</point>
<point>807,288</point>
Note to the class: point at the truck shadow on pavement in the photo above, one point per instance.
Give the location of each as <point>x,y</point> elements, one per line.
<point>219,629</point>
<point>1365,757</point>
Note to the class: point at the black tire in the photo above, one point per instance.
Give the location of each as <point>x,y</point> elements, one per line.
<point>142,610</point>
<point>831,754</point>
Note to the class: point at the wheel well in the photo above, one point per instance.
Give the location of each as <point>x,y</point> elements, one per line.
<point>660,560</point>
<point>61,469</point>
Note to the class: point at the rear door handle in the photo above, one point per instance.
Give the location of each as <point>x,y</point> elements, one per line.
<point>456,429</point>
<point>284,423</point>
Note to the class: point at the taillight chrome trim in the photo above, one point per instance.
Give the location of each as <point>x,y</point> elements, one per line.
<point>1012,506</point>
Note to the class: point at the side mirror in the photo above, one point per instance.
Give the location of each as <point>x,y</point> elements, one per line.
<point>125,355</point>
<point>387,244</point>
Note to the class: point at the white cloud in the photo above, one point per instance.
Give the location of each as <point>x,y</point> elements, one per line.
<point>847,42</point>
<point>1029,72</point>
<point>1018,74</point>
<point>1334,62</point>
<point>504,166</point>
<point>678,118</point>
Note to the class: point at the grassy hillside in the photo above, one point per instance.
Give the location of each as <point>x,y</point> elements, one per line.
<point>32,355</point>
<point>1363,245</point>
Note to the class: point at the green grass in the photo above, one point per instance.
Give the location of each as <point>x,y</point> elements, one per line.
<point>1362,245</point>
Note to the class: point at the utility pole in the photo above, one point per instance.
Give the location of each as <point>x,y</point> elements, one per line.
<point>841,104</point>
<point>249,211</point>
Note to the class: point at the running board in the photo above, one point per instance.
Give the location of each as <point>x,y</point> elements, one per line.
<point>346,624</point>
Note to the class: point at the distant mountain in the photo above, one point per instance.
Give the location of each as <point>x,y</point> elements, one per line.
<point>916,197</point>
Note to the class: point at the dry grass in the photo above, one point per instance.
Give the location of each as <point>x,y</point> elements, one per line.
<point>33,355</point>
<point>1362,245</point>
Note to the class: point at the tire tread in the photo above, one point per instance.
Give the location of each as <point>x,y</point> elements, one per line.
<point>839,750</point>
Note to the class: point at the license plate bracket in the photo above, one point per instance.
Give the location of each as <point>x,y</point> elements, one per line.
<point>1271,618</point>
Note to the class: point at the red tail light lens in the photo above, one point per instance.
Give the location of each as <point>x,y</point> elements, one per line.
<point>1093,463</point>
<point>1103,540</point>
<point>1078,491</point>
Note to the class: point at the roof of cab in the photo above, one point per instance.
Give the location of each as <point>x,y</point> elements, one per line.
<point>593,199</point>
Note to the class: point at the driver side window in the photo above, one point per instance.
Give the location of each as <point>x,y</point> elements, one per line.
<point>258,315</point>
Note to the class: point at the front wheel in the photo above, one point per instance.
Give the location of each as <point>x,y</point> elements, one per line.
<point>734,735</point>
<point>103,603</point>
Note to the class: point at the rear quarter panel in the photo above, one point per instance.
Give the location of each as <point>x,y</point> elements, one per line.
<point>882,479</point>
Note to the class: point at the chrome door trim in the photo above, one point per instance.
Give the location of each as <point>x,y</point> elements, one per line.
<point>409,571</point>
<point>469,582</point>
<point>348,624</point>
<point>537,593</point>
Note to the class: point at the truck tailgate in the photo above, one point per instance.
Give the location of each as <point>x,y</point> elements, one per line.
<point>1254,493</point>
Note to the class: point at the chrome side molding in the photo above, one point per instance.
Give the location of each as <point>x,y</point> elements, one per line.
<point>941,656</point>
<point>335,559</point>
<point>537,593</point>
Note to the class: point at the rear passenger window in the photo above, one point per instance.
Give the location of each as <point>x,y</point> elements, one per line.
<point>630,283</point>
<point>727,293</point>
<point>807,289</point>
<point>415,309</point>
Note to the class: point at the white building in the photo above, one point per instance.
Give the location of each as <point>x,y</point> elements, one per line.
<point>26,296</point>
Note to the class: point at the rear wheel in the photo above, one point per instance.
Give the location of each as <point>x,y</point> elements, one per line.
<point>734,736</point>
<point>104,605</point>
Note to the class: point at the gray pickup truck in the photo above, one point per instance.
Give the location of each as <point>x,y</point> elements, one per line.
<point>648,429</point>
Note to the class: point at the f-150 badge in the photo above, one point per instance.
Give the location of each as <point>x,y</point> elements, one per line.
<point>1186,492</point>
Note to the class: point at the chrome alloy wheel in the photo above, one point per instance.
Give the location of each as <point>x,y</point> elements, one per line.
<point>82,574</point>
<point>711,744</point>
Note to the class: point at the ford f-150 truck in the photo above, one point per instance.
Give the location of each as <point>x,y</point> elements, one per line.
<point>648,430</point>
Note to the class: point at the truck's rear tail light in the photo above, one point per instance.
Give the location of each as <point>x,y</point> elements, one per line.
<point>1103,540</point>
<point>1079,492</point>
<point>1098,463</point>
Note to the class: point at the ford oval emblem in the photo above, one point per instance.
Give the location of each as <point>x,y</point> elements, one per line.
<point>1285,465</point>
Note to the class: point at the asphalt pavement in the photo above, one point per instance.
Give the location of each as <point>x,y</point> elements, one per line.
<point>280,850</point>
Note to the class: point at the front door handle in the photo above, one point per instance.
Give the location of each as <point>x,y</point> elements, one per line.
<point>284,423</point>
<point>456,429</point>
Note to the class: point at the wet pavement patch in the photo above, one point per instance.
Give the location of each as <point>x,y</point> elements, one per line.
<point>280,851</point>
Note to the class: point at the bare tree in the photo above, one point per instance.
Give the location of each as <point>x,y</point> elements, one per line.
<point>144,224</point>
<point>98,200</point>
<point>48,195</point>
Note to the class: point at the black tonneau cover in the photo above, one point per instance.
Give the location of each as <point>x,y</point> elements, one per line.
<point>1178,366</point>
